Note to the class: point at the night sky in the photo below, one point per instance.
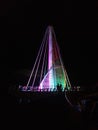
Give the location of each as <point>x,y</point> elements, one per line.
<point>23,27</point>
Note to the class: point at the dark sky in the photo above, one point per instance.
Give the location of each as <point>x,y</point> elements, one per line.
<point>23,27</point>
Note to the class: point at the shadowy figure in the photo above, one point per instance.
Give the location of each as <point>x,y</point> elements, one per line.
<point>59,87</point>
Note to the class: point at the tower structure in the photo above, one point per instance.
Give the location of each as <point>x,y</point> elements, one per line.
<point>48,73</point>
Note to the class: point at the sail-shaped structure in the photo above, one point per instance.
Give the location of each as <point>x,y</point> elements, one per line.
<point>48,73</point>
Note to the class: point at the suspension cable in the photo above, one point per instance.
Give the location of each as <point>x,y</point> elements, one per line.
<point>59,54</point>
<point>46,65</point>
<point>43,62</point>
<point>39,59</point>
<point>63,70</point>
<point>35,63</point>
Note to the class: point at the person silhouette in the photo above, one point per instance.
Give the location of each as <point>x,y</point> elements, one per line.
<point>59,87</point>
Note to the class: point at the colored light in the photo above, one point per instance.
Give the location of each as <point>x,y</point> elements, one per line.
<point>52,69</point>
<point>55,74</point>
